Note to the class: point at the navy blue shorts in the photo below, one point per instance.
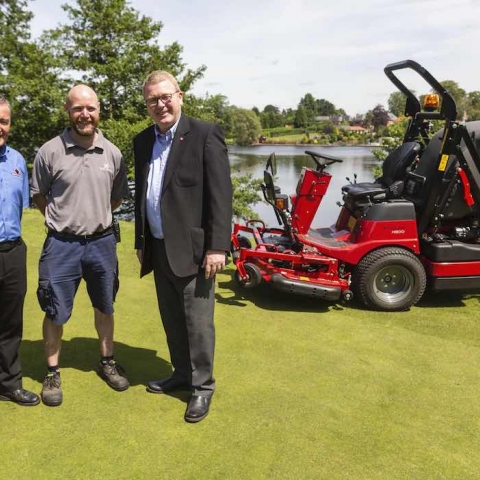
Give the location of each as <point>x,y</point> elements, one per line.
<point>64,262</point>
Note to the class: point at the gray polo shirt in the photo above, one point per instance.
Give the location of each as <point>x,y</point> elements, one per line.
<point>79,184</point>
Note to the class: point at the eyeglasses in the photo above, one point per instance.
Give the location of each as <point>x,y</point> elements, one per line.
<point>165,99</point>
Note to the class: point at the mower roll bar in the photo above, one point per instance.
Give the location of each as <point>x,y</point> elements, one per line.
<point>449,108</point>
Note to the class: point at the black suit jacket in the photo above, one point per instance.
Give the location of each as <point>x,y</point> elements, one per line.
<point>196,199</point>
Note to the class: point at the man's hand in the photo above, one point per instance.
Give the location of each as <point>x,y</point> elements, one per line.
<point>140,256</point>
<point>213,262</point>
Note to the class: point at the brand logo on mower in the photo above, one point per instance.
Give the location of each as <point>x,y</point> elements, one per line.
<point>398,232</point>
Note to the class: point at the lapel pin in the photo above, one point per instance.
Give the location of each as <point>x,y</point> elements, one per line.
<point>181,139</point>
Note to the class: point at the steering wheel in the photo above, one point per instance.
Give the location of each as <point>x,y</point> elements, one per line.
<point>323,160</point>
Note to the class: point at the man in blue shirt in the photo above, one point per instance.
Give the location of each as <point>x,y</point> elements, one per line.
<point>14,196</point>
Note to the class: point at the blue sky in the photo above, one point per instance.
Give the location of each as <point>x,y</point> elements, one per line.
<point>274,51</point>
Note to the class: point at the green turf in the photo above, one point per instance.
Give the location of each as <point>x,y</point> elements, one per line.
<point>305,390</point>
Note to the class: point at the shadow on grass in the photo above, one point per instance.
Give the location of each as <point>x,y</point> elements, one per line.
<point>432,299</point>
<point>266,297</point>
<point>453,298</point>
<point>141,364</point>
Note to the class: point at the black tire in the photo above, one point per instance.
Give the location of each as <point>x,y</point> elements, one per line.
<point>254,276</point>
<point>389,279</point>
<point>244,243</point>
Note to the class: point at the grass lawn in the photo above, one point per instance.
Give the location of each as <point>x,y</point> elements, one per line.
<point>306,390</point>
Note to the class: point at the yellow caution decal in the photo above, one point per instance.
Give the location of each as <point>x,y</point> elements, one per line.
<point>443,163</point>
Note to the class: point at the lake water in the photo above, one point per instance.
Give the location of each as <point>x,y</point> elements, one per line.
<point>290,160</point>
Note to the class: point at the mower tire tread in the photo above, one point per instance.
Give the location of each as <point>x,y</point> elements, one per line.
<point>389,279</point>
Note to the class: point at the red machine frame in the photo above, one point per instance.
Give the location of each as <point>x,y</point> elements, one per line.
<point>392,236</point>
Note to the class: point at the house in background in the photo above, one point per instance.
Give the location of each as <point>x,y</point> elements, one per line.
<point>354,129</point>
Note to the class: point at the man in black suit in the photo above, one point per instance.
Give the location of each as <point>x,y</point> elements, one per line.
<point>183,211</point>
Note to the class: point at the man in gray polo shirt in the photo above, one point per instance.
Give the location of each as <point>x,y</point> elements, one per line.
<point>78,179</point>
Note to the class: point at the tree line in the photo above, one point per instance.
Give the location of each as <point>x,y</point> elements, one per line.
<point>110,46</point>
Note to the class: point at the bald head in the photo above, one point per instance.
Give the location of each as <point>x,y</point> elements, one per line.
<point>81,93</point>
<point>83,112</point>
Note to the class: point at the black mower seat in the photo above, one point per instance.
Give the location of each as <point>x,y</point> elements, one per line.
<point>365,188</point>
<point>390,184</point>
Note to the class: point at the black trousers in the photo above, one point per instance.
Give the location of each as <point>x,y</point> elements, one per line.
<point>186,306</point>
<point>13,287</point>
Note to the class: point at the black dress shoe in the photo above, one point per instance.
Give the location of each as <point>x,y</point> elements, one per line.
<point>167,385</point>
<point>21,397</point>
<point>197,408</point>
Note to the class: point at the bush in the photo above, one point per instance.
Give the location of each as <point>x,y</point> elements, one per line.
<point>282,131</point>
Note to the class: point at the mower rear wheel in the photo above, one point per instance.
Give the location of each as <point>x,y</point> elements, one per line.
<point>254,276</point>
<point>390,279</point>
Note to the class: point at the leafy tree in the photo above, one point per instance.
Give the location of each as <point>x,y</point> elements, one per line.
<point>121,133</point>
<point>271,117</point>
<point>325,108</point>
<point>393,138</point>
<point>246,126</point>
<point>396,103</point>
<point>379,117</point>
<point>245,194</point>
<point>309,104</point>
<point>30,79</point>
<point>271,109</point>
<point>473,109</point>
<point>222,112</point>
<point>301,118</point>
<point>459,95</point>
<point>211,108</point>
<point>288,116</point>
<point>15,31</point>
<point>474,99</point>
<point>368,120</point>
<point>110,46</point>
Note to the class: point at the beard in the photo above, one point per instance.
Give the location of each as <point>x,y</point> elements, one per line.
<point>84,129</point>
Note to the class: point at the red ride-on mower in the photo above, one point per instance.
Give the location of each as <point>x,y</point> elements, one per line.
<point>418,225</point>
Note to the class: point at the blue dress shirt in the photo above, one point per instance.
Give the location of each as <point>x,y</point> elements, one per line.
<point>156,173</point>
<point>14,192</point>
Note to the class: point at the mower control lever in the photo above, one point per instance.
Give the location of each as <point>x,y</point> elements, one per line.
<point>354,179</point>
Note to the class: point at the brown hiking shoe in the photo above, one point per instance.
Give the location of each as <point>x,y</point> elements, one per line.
<point>114,375</point>
<point>51,390</point>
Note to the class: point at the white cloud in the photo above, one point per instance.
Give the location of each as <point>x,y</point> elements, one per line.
<point>275,51</point>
